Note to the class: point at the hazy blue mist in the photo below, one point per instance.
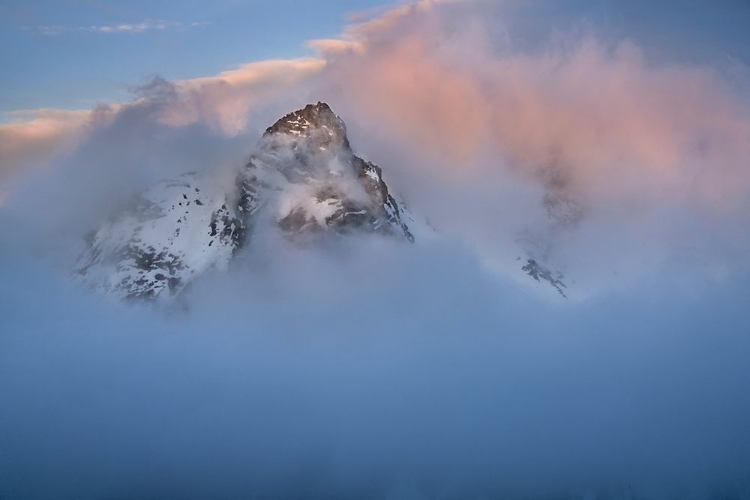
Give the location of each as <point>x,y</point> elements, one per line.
<point>380,371</point>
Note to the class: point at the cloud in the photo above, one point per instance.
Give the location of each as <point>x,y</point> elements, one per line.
<point>226,101</point>
<point>120,28</point>
<point>588,120</point>
<point>581,148</point>
<point>367,27</point>
<point>372,370</point>
<point>590,111</point>
<point>36,137</point>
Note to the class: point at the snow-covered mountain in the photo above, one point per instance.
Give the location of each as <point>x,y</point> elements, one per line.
<point>303,180</point>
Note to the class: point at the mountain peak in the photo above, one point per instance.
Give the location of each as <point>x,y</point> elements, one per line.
<point>312,120</point>
<point>316,182</point>
<point>304,181</point>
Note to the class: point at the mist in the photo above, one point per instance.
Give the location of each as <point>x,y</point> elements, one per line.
<point>366,368</point>
<point>377,371</point>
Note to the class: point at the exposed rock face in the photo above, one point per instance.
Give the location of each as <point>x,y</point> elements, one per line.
<point>306,173</point>
<point>541,273</point>
<point>563,214</point>
<point>304,180</point>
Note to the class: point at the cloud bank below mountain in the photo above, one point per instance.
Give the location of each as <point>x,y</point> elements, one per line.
<point>370,372</point>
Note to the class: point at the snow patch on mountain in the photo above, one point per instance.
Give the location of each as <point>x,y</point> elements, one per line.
<point>176,230</point>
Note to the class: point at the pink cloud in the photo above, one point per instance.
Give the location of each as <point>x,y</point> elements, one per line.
<point>596,116</point>
<point>36,137</point>
<point>225,101</point>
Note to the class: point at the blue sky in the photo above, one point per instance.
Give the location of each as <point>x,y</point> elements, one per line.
<point>56,53</point>
<point>54,59</point>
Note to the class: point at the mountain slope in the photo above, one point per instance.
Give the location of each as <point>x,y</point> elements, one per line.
<point>175,231</point>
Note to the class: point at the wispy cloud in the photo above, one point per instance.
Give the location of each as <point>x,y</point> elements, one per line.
<point>119,28</point>
<point>32,137</point>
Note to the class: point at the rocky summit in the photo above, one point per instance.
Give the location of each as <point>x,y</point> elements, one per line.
<point>305,171</point>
